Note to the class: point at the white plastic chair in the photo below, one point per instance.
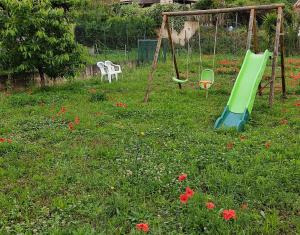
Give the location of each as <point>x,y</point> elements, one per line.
<point>113,68</point>
<point>104,71</point>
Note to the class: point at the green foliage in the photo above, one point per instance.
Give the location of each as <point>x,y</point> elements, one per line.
<point>204,4</point>
<point>98,97</point>
<point>114,27</point>
<point>38,37</point>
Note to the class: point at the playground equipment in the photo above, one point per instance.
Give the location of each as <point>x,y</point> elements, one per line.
<point>174,78</point>
<point>240,104</point>
<point>207,77</point>
<point>241,101</point>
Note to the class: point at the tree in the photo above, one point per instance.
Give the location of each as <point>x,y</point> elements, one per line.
<point>37,35</point>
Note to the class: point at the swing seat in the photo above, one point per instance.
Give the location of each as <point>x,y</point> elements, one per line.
<point>205,84</point>
<point>207,79</point>
<point>179,80</point>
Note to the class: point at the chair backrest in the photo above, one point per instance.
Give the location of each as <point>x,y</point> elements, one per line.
<point>110,66</point>
<point>208,75</point>
<point>102,68</point>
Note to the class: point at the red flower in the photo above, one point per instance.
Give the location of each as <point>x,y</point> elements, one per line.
<point>63,109</point>
<point>182,177</point>
<point>230,146</point>
<point>268,145</point>
<point>120,104</point>
<point>210,205</point>
<point>2,140</point>
<point>229,214</point>
<point>77,120</point>
<point>71,126</point>
<point>184,198</point>
<point>143,227</point>
<point>189,192</point>
<point>297,103</point>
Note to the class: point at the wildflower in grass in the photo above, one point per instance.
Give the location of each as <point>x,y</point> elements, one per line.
<point>143,227</point>
<point>229,214</point>
<point>71,126</point>
<point>77,120</point>
<point>297,103</point>
<point>2,140</point>
<point>224,62</point>
<point>63,109</point>
<point>184,198</point>
<point>268,145</point>
<point>283,122</point>
<point>122,105</point>
<point>9,141</point>
<point>182,177</point>
<point>210,205</point>
<point>189,192</point>
<point>230,145</point>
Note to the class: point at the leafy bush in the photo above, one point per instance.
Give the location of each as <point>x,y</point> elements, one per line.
<point>38,37</point>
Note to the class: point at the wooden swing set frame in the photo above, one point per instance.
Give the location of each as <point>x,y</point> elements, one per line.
<point>252,33</point>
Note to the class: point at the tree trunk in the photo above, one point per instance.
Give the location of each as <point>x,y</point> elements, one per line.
<point>42,77</point>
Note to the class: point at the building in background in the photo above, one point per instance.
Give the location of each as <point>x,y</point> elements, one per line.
<point>146,3</point>
<point>297,6</point>
<point>297,9</point>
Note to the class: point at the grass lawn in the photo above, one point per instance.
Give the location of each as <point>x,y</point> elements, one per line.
<point>116,167</point>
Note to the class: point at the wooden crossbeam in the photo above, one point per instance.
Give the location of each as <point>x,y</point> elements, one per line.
<point>224,10</point>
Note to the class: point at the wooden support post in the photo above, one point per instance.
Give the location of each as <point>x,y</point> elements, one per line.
<point>256,47</point>
<point>282,50</point>
<point>173,51</point>
<point>250,29</point>
<point>155,59</point>
<point>275,55</point>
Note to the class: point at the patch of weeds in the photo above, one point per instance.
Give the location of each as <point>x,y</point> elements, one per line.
<point>25,100</point>
<point>98,97</point>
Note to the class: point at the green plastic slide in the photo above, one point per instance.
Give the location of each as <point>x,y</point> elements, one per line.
<point>240,104</point>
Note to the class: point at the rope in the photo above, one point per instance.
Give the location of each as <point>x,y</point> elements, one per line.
<point>200,49</point>
<point>188,56</point>
<point>215,45</point>
<point>173,54</point>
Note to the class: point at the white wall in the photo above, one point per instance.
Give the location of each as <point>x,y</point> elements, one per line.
<point>188,31</point>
